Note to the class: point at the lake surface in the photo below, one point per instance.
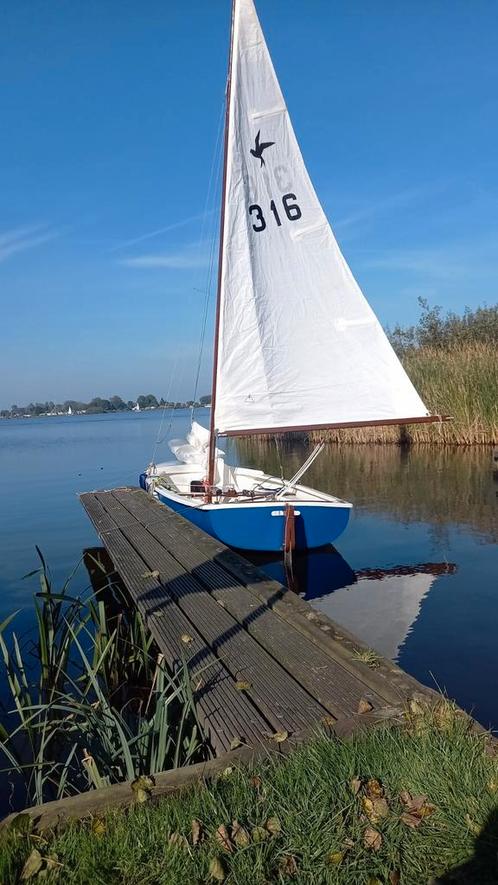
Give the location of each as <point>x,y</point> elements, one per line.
<point>414,575</point>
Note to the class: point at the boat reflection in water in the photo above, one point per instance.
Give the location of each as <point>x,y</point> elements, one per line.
<point>380,606</point>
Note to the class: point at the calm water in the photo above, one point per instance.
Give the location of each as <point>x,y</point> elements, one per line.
<point>415,574</point>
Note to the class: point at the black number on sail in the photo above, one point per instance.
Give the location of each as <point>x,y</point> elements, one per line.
<point>259,217</point>
<point>292,211</point>
<point>274,210</point>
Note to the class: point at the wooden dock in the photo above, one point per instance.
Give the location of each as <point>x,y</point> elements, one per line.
<point>262,661</point>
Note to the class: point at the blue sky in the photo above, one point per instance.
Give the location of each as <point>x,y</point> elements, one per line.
<point>109,118</point>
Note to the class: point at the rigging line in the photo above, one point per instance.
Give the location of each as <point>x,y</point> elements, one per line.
<point>212,189</point>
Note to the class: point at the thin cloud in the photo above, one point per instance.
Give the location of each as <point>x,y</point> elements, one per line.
<point>452,261</point>
<point>395,201</point>
<point>22,238</point>
<point>189,258</point>
<point>159,231</point>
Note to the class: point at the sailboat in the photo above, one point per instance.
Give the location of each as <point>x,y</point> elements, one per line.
<point>296,345</point>
<point>136,407</point>
<point>69,410</point>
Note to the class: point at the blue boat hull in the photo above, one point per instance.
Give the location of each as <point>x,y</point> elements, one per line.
<point>261,527</point>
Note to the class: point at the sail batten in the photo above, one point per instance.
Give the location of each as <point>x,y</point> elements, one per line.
<point>298,347</point>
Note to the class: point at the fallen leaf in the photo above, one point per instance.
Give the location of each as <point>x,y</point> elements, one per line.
<point>186,638</point>
<point>280,736</point>
<point>177,840</point>
<point>227,771</point>
<point>142,787</point>
<point>364,706</point>
<point>474,828</point>
<point>374,788</point>
<point>235,743</point>
<point>328,721</point>
<point>197,831</point>
<point>98,827</point>
<point>32,866</point>
<point>347,844</point>
<point>335,858</point>
<point>273,826</point>
<point>259,834</point>
<point>153,574</point>
<point>375,809</point>
<point>394,877</point>
<point>405,797</point>
<point>374,881</point>
<point>355,785</point>
<point>217,869</point>
<point>416,708</point>
<point>492,786</point>
<point>411,820</point>
<point>223,838</point>
<point>241,685</point>
<point>240,835</point>
<point>372,839</point>
<point>288,865</point>
<point>256,781</point>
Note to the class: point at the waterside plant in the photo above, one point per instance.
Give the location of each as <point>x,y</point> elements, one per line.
<point>92,701</point>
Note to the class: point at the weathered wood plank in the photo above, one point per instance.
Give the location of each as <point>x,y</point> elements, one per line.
<point>281,699</point>
<point>324,678</point>
<point>224,712</point>
<point>387,680</point>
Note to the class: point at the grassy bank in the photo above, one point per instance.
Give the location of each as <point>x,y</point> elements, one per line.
<point>400,805</point>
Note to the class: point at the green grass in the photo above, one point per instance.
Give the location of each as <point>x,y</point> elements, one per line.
<point>322,822</point>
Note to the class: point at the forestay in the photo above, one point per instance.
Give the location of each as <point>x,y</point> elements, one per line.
<point>299,346</point>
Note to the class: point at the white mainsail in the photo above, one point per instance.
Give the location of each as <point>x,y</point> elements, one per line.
<point>299,346</point>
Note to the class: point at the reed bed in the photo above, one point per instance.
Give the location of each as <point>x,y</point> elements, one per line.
<point>460,381</point>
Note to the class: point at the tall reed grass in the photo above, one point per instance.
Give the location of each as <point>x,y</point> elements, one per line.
<point>91,700</point>
<point>460,381</point>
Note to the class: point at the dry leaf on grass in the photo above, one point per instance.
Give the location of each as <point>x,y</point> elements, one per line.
<point>227,771</point>
<point>416,809</point>
<point>356,785</point>
<point>142,787</point>
<point>223,838</point>
<point>240,835</point>
<point>474,828</point>
<point>259,834</point>
<point>197,831</point>
<point>364,706</point>
<point>372,839</point>
<point>375,809</point>
<point>256,781</point>
<point>32,866</point>
<point>334,858</point>
<point>177,840</point>
<point>98,827</point>
<point>394,877</point>
<point>273,826</point>
<point>288,865</point>
<point>328,721</point>
<point>217,869</point>
<point>374,788</point>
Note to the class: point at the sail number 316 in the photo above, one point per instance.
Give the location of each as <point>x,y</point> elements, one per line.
<point>291,209</point>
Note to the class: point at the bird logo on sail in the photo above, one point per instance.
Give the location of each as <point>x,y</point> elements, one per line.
<point>259,147</point>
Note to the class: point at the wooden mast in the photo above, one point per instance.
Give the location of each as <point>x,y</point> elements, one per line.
<point>212,428</point>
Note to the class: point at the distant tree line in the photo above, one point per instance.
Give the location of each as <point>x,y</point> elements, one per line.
<point>449,330</point>
<point>97,405</point>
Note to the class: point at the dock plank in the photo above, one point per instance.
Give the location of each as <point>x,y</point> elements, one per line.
<point>299,667</point>
<point>324,678</point>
